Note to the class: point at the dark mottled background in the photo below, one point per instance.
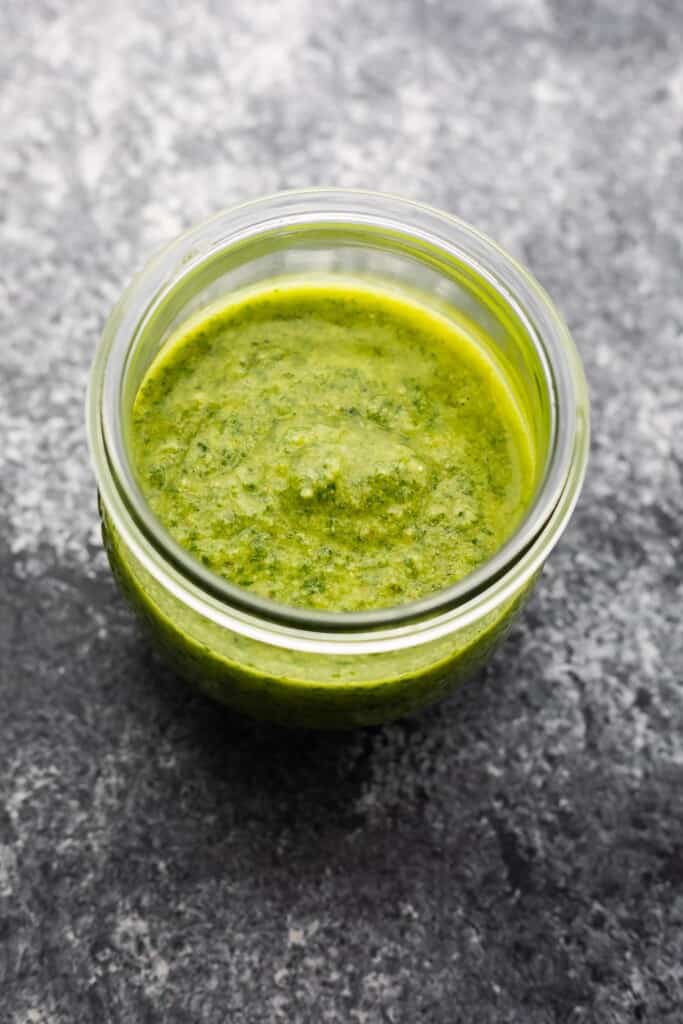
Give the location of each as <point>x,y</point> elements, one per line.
<point>515,855</point>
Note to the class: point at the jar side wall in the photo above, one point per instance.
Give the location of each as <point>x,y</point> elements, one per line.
<point>295,687</point>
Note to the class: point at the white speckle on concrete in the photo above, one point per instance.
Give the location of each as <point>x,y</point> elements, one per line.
<point>296,937</point>
<point>8,869</point>
<point>36,1015</point>
<point>132,938</point>
<point>675,86</point>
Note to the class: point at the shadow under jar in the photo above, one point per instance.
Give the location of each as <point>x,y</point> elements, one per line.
<point>317,668</point>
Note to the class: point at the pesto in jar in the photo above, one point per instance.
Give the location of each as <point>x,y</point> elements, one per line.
<point>332,447</point>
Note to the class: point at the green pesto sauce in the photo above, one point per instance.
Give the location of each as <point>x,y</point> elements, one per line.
<point>331,447</point>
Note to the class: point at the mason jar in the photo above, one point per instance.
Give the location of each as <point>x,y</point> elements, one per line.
<point>318,668</point>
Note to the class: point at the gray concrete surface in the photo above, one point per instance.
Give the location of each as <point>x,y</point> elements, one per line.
<point>514,856</point>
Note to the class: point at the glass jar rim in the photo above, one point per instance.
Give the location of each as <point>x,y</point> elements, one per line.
<point>512,564</point>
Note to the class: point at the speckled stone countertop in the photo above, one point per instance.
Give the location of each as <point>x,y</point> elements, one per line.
<point>513,856</point>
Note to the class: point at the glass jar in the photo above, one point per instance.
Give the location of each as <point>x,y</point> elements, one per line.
<point>316,668</point>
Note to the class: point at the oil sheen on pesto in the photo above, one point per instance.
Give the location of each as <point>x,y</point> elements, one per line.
<point>331,447</point>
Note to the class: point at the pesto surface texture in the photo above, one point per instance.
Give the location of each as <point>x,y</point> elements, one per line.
<point>331,447</point>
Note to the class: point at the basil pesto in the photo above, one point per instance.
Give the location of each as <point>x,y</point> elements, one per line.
<point>331,447</point>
